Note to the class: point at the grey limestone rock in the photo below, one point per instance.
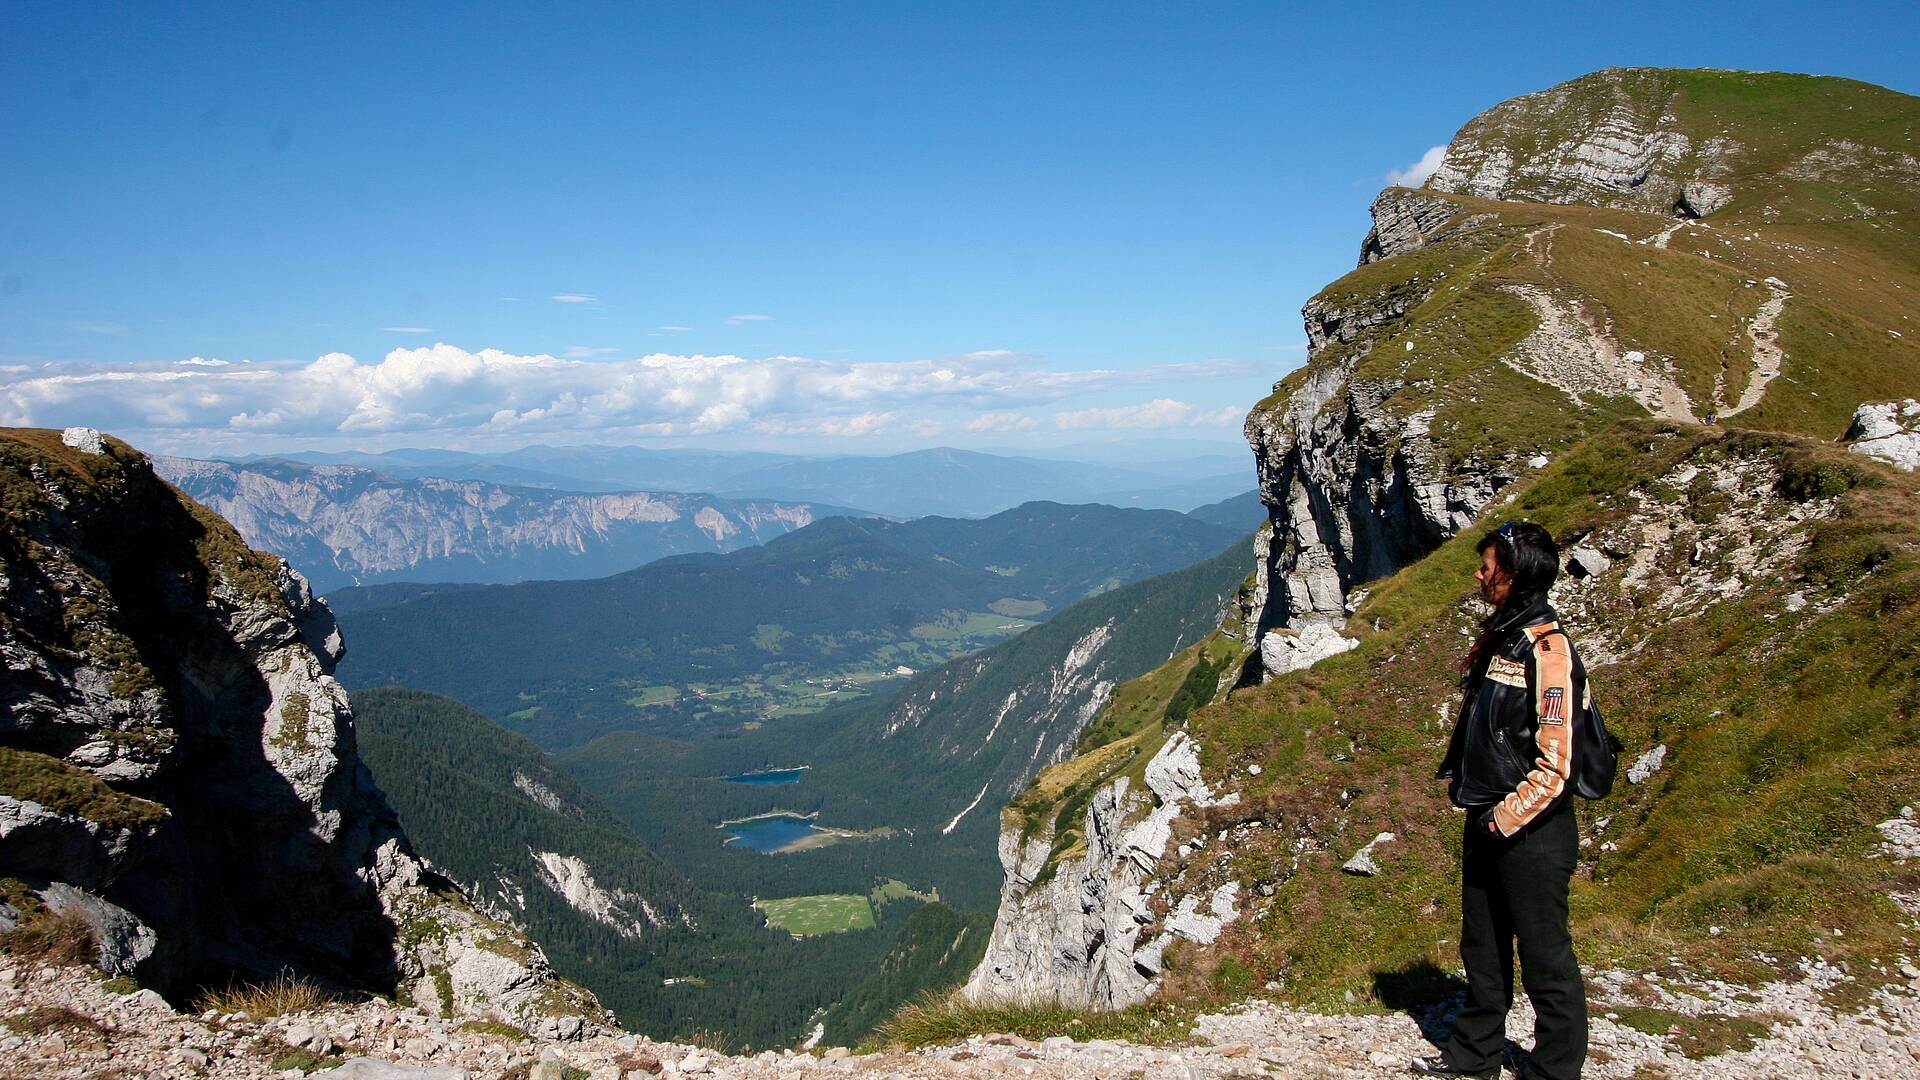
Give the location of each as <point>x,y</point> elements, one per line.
<point>1402,221</point>
<point>1285,649</point>
<point>1079,933</point>
<point>1888,430</point>
<point>1647,764</point>
<point>1605,139</point>
<point>1363,863</point>
<point>84,439</point>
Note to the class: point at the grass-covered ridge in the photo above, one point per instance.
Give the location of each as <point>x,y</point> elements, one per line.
<point>1825,176</point>
<point>1761,620</point>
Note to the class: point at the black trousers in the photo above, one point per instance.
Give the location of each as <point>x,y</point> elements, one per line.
<point>1515,889</point>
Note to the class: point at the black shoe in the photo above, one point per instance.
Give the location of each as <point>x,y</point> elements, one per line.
<point>1437,1065</point>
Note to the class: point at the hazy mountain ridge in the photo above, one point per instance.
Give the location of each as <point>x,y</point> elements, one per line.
<point>854,599</point>
<point>938,481</point>
<point>347,525</point>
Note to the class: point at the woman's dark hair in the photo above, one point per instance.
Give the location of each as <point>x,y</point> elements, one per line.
<point>1529,556</point>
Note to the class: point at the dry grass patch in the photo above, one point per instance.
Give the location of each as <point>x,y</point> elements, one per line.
<point>284,994</point>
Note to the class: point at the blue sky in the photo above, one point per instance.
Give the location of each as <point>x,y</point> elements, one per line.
<point>1085,222</point>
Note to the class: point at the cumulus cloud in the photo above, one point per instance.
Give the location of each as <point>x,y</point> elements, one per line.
<point>441,391</point>
<point>448,389</point>
<point>1158,413</point>
<point>575,298</point>
<point>1416,174</point>
<point>736,320</point>
<point>407,329</point>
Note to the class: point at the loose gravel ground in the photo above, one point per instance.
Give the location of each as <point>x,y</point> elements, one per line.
<point>66,1023</point>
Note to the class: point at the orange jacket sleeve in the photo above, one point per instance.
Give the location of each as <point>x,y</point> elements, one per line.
<point>1554,703</point>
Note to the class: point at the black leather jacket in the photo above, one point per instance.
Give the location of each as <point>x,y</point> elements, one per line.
<point>1510,759</point>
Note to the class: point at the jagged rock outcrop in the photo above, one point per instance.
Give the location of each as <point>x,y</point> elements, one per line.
<point>1403,221</point>
<point>177,764</point>
<point>1081,928</point>
<point>1354,493</point>
<point>346,525</point>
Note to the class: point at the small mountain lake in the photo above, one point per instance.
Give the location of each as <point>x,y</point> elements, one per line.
<point>768,776</point>
<point>772,834</point>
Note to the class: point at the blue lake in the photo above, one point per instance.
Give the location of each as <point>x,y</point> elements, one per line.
<point>768,834</point>
<point>770,776</point>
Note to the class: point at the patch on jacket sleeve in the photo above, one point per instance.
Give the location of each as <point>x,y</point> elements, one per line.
<point>1553,706</point>
<point>1507,672</point>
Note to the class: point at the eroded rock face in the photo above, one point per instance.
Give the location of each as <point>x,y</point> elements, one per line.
<point>185,682</point>
<point>1353,494</point>
<point>1404,221</point>
<point>1081,928</point>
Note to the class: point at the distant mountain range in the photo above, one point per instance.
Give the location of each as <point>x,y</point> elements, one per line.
<point>827,614</point>
<point>342,524</point>
<point>945,481</point>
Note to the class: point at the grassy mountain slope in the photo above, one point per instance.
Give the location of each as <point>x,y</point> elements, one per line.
<point>1760,621</point>
<point>716,642</point>
<point>1822,183</point>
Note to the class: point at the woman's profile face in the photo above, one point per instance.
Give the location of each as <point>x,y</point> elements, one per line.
<point>1495,583</point>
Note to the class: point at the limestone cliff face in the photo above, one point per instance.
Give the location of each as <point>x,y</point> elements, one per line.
<point>345,525</point>
<point>1082,929</point>
<point>177,764</point>
<point>1612,138</point>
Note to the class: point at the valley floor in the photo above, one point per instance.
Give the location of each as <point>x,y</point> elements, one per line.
<point>66,1022</point>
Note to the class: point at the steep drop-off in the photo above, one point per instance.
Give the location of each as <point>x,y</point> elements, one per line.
<point>178,768</point>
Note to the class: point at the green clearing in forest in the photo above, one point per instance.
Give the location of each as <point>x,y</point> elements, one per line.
<point>829,913</point>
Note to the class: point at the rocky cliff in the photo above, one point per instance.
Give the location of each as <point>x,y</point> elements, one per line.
<point>1633,252</point>
<point>177,764</point>
<point>345,525</point>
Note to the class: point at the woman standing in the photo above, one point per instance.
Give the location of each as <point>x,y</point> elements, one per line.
<point>1510,766</point>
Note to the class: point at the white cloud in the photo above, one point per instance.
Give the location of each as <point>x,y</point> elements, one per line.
<point>449,391</point>
<point>575,298</point>
<point>1158,413</point>
<point>674,329</point>
<point>1416,174</point>
<point>407,329</point>
<point>86,327</point>
<point>583,352</point>
<point>865,423</point>
<point>1002,421</point>
<point>736,320</point>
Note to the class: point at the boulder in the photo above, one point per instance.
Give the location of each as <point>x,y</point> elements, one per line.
<point>1888,430</point>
